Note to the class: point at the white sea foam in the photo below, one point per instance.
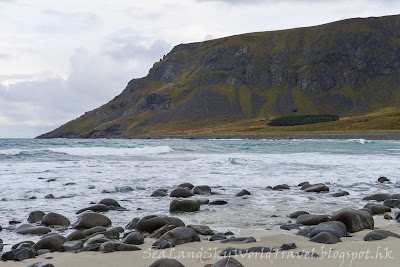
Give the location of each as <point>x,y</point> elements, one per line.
<point>11,152</point>
<point>109,151</point>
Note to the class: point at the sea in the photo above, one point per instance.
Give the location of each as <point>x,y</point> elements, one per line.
<point>130,170</point>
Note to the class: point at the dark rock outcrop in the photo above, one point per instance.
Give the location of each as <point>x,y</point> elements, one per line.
<point>355,220</point>
<point>151,223</point>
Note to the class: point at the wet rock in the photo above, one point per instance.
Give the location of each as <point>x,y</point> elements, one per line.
<point>51,180</point>
<point>134,238</point>
<point>160,231</point>
<point>50,196</point>
<point>340,194</point>
<point>296,214</point>
<point>302,183</point>
<point>305,232</point>
<point>355,220</point>
<point>53,218</point>
<point>108,247</point>
<point>288,246</point>
<point>309,219</point>
<point>377,197</point>
<point>228,262</point>
<point>123,189</point>
<point>94,230</point>
<point>169,243</point>
<point>72,246</point>
<point>268,188</point>
<point>202,229</point>
<point>23,242</point>
<point>91,187</point>
<point>305,186</point>
<point>201,190</point>
<point>132,224</point>
<point>19,254</point>
<point>217,237</point>
<point>29,229</point>
<point>317,188</point>
<point>95,208</point>
<point>244,192</point>
<point>42,252</point>
<point>13,222</point>
<point>151,223</point>
<point>52,242</point>
<point>336,228</point>
<point>109,202</point>
<point>391,203</point>
<point>165,262</point>
<point>218,202</point>
<point>281,187</point>
<point>395,196</point>
<point>90,219</point>
<point>159,193</point>
<point>383,179</point>
<point>76,235</point>
<point>289,227</point>
<point>184,205</point>
<point>186,185</point>
<point>179,235</point>
<point>96,239</point>
<point>181,192</point>
<point>91,247</point>
<point>325,238</point>
<point>377,208</point>
<point>239,240</point>
<point>40,264</point>
<point>113,232</point>
<point>379,235</point>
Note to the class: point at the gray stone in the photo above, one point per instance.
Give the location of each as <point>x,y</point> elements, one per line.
<point>379,235</point>
<point>296,214</point>
<point>42,252</point>
<point>305,232</point>
<point>281,187</point>
<point>169,243</point>
<point>244,192</point>
<point>289,227</point>
<point>159,193</point>
<point>202,229</point>
<point>377,208</point>
<point>151,223</point>
<point>19,254</point>
<point>94,230</point>
<point>165,262</point>
<point>72,246</point>
<point>184,205</point>
<point>340,194</point>
<point>288,246</point>
<point>181,192</point>
<point>228,262</point>
<point>383,179</point>
<point>309,219</point>
<point>239,240</point>
<point>179,235</point>
<point>95,208</point>
<point>355,220</point>
<point>113,232</point>
<point>96,239</point>
<point>395,196</point>
<point>90,219</point>
<point>377,197</point>
<point>201,190</point>
<point>108,247</point>
<point>187,185</point>
<point>317,188</point>
<point>53,218</point>
<point>132,224</point>
<point>29,229</point>
<point>391,203</point>
<point>40,264</point>
<point>160,231</point>
<point>91,247</point>
<point>23,242</point>
<point>76,235</point>
<point>305,185</point>
<point>325,238</point>
<point>110,202</point>
<point>218,202</point>
<point>35,216</point>
<point>52,242</point>
<point>134,238</point>
<point>336,228</point>
<point>217,236</point>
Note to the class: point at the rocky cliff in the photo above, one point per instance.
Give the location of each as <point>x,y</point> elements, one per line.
<point>347,68</point>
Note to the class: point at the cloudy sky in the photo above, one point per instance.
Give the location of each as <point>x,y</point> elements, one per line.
<point>61,58</point>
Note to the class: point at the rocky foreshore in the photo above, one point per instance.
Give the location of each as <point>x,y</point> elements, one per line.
<point>350,236</point>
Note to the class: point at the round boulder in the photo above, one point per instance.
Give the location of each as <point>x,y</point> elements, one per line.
<point>151,223</point>
<point>355,220</point>
<point>165,262</point>
<point>52,243</point>
<point>309,219</point>
<point>134,238</point>
<point>317,188</point>
<point>244,192</point>
<point>202,190</point>
<point>35,216</point>
<point>53,218</point>
<point>377,197</point>
<point>90,219</point>
<point>187,185</point>
<point>281,187</point>
<point>29,229</point>
<point>181,192</point>
<point>179,235</point>
<point>110,202</point>
<point>184,205</point>
<point>325,238</point>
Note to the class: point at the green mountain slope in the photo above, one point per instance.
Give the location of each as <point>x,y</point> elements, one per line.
<point>346,68</point>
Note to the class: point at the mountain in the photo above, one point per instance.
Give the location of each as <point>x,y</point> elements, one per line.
<point>348,68</point>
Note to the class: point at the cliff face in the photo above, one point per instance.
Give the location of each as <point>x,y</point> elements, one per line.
<point>347,68</point>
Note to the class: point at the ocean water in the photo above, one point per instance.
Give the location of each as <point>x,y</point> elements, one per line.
<point>130,170</point>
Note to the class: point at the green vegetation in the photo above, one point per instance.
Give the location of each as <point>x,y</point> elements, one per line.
<point>302,120</point>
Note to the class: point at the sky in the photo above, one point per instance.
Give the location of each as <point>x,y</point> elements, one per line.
<point>59,59</point>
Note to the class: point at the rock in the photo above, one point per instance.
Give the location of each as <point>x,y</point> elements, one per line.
<point>317,188</point>
<point>309,219</point>
<point>296,214</point>
<point>91,187</point>
<point>325,238</point>
<point>203,200</point>
<point>340,194</point>
<point>227,262</point>
<point>387,217</point>
<point>187,185</point>
<point>35,216</point>
<point>288,246</point>
<point>159,193</point>
<point>160,231</point>
<point>184,205</point>
<point>108,247</point>
<point>91,247</point>
<point>268,188</point>
<point>169,243</point>
<point>383,179</point>
<point>305,186</point>
<point>181,192</point>
<point>302,183</point>
<point>281,187</point>
<point>239,240</point>
<point>336,228</point>
<point>377,197</point>
<point>90,219</point>
<point>94,230</point>
<point>201,190</point>
<point>50,196</point>
<point>379,235</point>
<point>244,192</point>
<point>51,180</point>
<point>218,202</point>
<point>391,203</point>
<point>165,262</point>
<point>76,235</point>
<point>289,227</point>
<point>395,196</point>
<point>217,236</point>
<point>110,202</point>
<point>305,232</point>
<point>12,222</point>
<point>29,229</point>
<point>52,218</point>
<point>113,232</point>
<point>23,242</point>
<point>132,224</point>
<point>40,264</point>
<point>237,251</point>
<point>134,238</point>
<point>95,208</point>
<point>377,208</point>
<point>202,229</point>
<point>72,246</point>
<point>151,223</point>
<point>355,220</point>
<point>42,252</point>
<point>19,254</point>
<point>52,242</point>
<point>179,235</point>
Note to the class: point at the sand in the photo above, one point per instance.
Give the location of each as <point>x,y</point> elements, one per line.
<point>352,251</point>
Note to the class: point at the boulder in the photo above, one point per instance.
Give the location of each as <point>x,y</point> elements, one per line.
<point>281,187</point>
<point>317,188</point>
<point>184,205</point>
<point>53,218</point>
<point>244,192</point>
<point>151,223</point>
<point>391,203</point>
<point>218,202</point>
<point>113,232</point>
<point>134,238</point>
<point>19,254</point>
<point>355,220</point>
<point>201,190</point>
<point>227,262</point>
<point>52,243</point>
<point>179,235</point>
<point>29,229</point>
<point>202,229</point>
<point>289,226</point>
<point>288,246</point>
<point>305,232</point>
<point>23,242</point>
<point>217,236</point>
<point>305,185</point>
<point>187,185</point>
<point>309,219</point>
<point>72,245</point>
<point>341,193</point>
<point>90,219</point>
<point>336,228</point>
<point>96,239</point>
<point>40,264</point>
<point>160,231</point>
<point>377,197</point>
<point>181,192</point>
<point>379,235</point>
<point>165,262</point>
<point>94,230</point>
<point>132,224</point>
<point>239,240</point>
<point>95,208</point>
<point>159,193</point>
<point>35,216</point>
<point>377,208</point>
<point>76,235</point>
<point>383,179</point>
<point>110,202</point>
<point>108,247</point>
<point>325,238</point>
<point>169,243</point>
<point>296,214</point>
<point>395,196</point>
